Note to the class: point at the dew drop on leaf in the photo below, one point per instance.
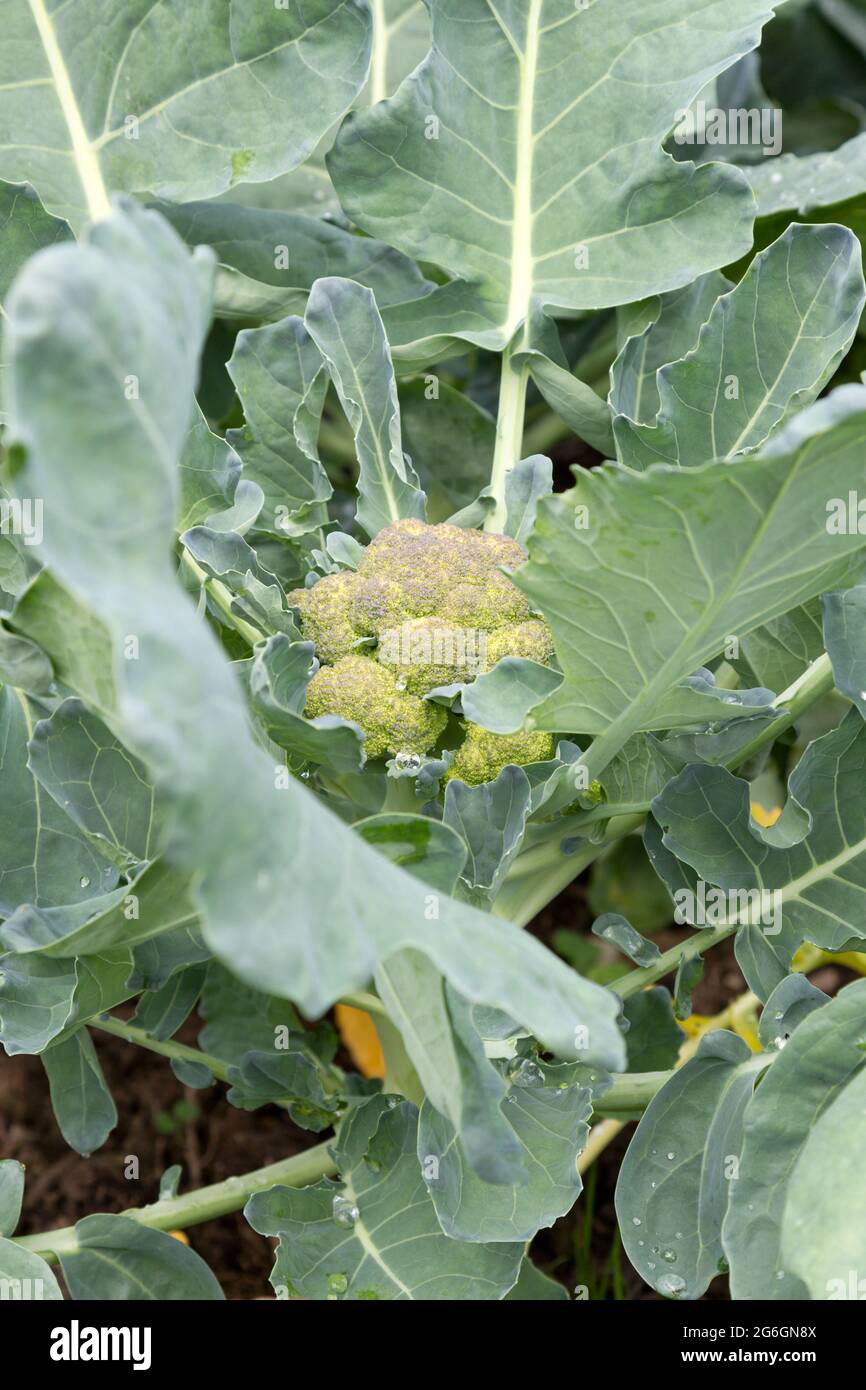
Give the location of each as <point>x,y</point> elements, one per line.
<point>345,1212</point>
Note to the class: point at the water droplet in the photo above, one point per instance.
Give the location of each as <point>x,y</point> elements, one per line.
<point>635,1221</point>
<point>671,1156</point>
<point>525,1072</point>
<point>344,1211</point>
<point>84,881</point>
<point>407,762</point>
<point>672,1285</point>
<point>669,1256</point>
<point>337,1284</point>
<point>780,1274</point>
<point>780,1042</point>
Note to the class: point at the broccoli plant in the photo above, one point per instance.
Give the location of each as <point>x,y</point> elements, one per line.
<point>432,461</point>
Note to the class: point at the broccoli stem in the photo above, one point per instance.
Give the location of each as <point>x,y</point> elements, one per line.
<point>509,434</point>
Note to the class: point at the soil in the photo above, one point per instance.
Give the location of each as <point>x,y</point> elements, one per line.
<point>212,1141</point>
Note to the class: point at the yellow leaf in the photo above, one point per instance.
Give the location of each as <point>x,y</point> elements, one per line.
<point>181,1236</point>
<point>358,1032</point>
<point>763,816</point>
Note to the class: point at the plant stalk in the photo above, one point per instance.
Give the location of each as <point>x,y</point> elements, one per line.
<point>204,1204</point>
<point>509,434</point>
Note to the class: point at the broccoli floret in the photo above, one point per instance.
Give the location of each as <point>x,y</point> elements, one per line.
<point>412,570</point>
<point>482,755</point>
<point>325,619</point>
<point>427,652</point>
<point>358,688</point>
<point>532,640</point>
<point>436,610</point>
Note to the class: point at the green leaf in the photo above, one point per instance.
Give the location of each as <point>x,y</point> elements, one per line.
<point>675,1179</point>
<point>240,1019</point>
<point>624,640</point>
<point>657,331</point>
<point>80,1098</point>
<point>155,902</point>
<point>845,638</point>
<point>394,1248</point>
<point>179,102</point>
<point>25,1275</point>
<point>576,403</point>
<point>793,999</point>
<point>277,372</point>
<point>291,1078</point>
<point>450,440</point>
<point>209,471</point>
<point>527,482</point>
<point>25,227</point>
<point>44,860</point>
<point>97,782</point>
<point>491,820</point>
<point>161,1012</point>
<point>619,932</point>
<point>428,849</point>
<point>132,270</point>
<point>78,642</point>
<point>803,182</point>
<point>500,699</point>
<point>654,1037</point>
<point>768,348</point>
<point>11,1194</point>
<point>269,260</point>
<point>823,1222</point>
<point>536,1287</point>
<point>345,323</point>
<point>279,676</point>
<point>118,1259</point>
<point>778,652</point>
<point>548,1110</point>
<point>458,1080</point>
<point>810,889</point>
<point>794,1099</point>
<point>511,182</point>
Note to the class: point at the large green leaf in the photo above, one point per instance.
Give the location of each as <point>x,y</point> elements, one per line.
<point>257,841</point>
<point>345,323</point>
<point>815,1069</point>
<point>376,1236</point>
<point>97,782</point>
<point>119,1259</point>
<point>11,1194</point>
<point>25,227</point>
<point>80,1098</point>
<point>601,575</point>
<point>817,883</point>
<point>673,1186</point>
<point>182,100</point>
<point>824,1222</point>
<point>547,1108</point>
<point>524,156</point>
<point>45,859</point>
<point>26,1275</point>
<point>767,348</point>
<point>277,372</point>
<point>803,182</point>
<point>269,260</point>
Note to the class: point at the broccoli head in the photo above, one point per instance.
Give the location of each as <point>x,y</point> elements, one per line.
<point>432,607</point>
<point>482,755</point>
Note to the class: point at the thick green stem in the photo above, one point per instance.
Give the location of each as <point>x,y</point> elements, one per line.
<point>204,1204</point>
<point>509,435</point>
<point>179,1052</point>
<point>223,600</point>
<point>696,945</point>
